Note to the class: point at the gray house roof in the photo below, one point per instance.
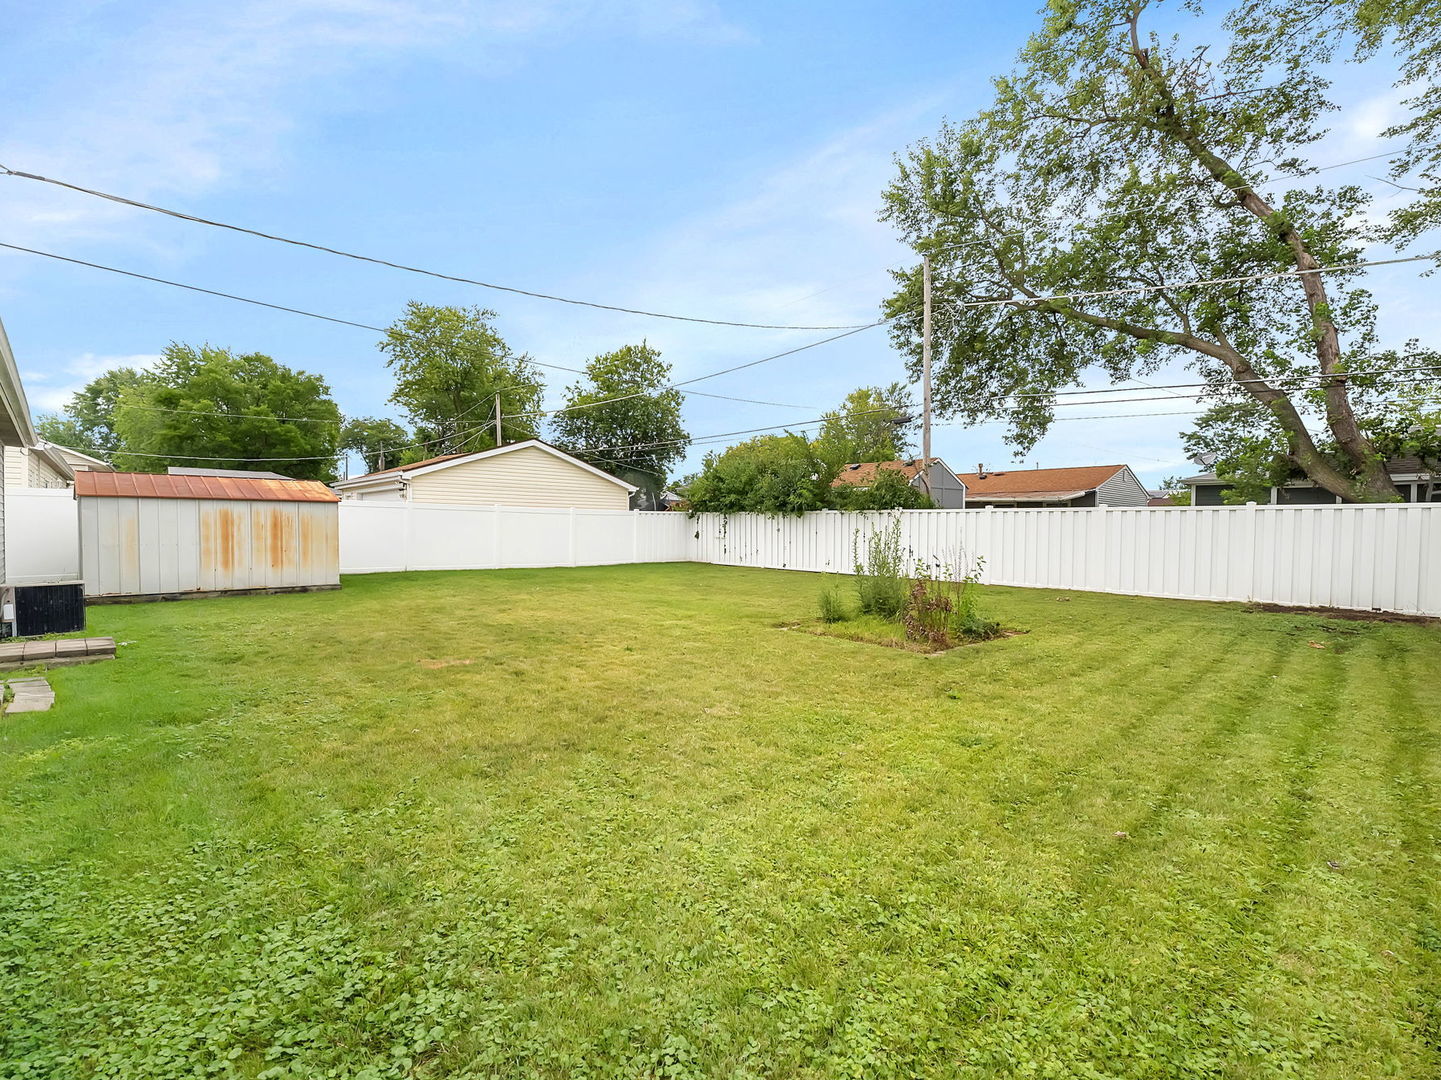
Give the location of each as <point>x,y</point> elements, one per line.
<point>15,427</point>
<point>244,474</point>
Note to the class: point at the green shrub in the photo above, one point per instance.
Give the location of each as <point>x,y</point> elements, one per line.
<point>881,580</point>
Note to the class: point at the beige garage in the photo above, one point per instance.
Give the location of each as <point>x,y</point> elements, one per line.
<point>531,473</point>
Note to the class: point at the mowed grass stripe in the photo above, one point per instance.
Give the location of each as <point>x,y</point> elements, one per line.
<point>646,832</point>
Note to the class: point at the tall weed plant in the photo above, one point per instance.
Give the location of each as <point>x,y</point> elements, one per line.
<point>882,580</point>
<point>943,606</point>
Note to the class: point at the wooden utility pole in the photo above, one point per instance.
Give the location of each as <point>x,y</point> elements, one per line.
<point>926,371</point>
<point>499,437</point>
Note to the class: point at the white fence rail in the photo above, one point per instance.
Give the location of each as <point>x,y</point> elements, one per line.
<point>379,537</point>
<point>1385,558</point>
<point>42,536</point>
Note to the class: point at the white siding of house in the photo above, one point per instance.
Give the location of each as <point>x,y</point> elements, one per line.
<point>525,477</point>
<point>1123,489</point>
<point>24,469</point>
<point>377,495</point>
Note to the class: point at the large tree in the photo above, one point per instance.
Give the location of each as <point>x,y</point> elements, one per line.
<point>1114,161</point>
<point>790,473</point>
<point>770,474</point>
<point>88,422</point>
<point>874,423</point>
<point>625,418</point>
<point>211,407</point>
<point>1300,35</point>
<point>381,443</point>
<point>450,366</point>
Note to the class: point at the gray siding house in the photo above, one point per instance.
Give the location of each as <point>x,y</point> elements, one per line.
<point>1417,482</point>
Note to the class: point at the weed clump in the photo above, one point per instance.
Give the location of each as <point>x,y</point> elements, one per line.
<point>881,579</point>
<point>936,606</point>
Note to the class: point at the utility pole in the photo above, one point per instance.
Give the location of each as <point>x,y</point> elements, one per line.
<point>499,438</point>
<point>926,370</point>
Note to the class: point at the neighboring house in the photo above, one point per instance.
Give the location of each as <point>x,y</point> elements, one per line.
<point>1082,485</point>
<point>41,465</point>
<point>936,479</point>
<point>242,474</point>
<point>1159,498</point>
<point>530,473</point>
<point>1416,481</point>
<point>82,462</point>
<point>16,432</point>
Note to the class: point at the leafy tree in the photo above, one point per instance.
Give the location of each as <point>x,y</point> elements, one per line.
<point>890,490</point>
<point>1111,160</point>
<point>1175,490</point>
<point>625,402</point>
<point>770,474</point>
<point>380,443</point>
<point>450,364</point>
<point>88,422</point>
<point>244,409</point>
<point>1408,424</point>
<point>874,423</point>
<point>1298,36</point>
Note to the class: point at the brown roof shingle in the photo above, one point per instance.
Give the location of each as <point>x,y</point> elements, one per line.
<point>864,473</point>
<point>159,486</point>
<point>412,465</point>
<point>1038,483</point>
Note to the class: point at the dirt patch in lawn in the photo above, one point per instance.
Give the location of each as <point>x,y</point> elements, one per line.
<point>1350,614</point>
<point>434,664</point>
<point>880,632</point>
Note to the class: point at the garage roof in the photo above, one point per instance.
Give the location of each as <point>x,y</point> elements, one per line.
<point>122,485</point>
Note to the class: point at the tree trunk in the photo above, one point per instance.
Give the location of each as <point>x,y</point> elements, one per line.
<point>1372,482</point>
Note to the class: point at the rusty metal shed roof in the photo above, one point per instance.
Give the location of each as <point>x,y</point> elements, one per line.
<point>123,485</point>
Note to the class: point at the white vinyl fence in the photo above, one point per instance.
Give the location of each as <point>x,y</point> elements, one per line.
<point>1385,558</point>
<point>42,536</point>
<point>378,537</point>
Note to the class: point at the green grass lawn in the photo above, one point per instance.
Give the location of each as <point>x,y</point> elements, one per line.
<point>616,822</point>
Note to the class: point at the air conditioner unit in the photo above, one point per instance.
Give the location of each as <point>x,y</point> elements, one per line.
<point>53,608</point>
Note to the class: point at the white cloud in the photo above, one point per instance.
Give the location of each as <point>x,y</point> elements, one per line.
<point>72,375</point>
<point>800,244</point>
<point>197,96</point>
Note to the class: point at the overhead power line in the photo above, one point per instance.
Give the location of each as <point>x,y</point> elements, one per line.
<point>702,440</point>
<point>1023,301</point>
<point>1281,379</point>
<point>182,216</point>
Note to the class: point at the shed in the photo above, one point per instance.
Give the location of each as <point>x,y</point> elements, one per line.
<point>150,537</point>
<point>530,473</point>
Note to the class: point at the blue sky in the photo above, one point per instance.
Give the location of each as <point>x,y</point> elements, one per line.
<point>718,160</point>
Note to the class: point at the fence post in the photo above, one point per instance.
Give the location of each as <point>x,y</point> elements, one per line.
<point>1250,549</point>
<point>572,536</point>
<point>495,534</point>
<point>405,510</point>
<point>635,536</point>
